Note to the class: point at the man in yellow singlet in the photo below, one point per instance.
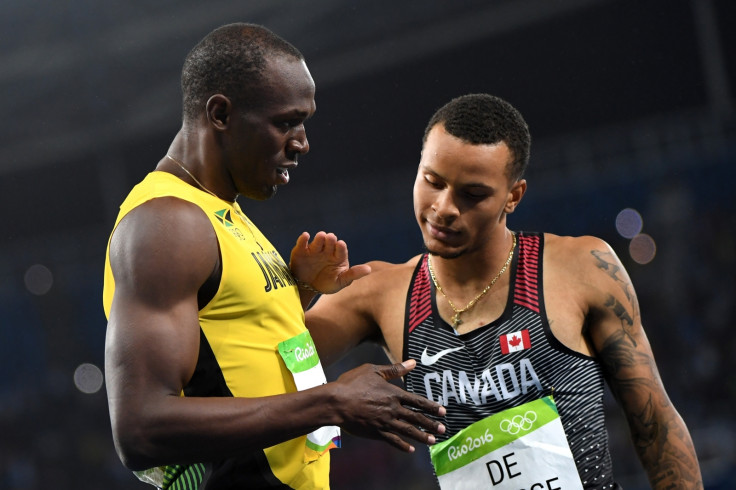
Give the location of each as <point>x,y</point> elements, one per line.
<point>213,381</point>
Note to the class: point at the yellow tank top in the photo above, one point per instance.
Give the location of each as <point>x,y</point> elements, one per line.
<point>256,306</point>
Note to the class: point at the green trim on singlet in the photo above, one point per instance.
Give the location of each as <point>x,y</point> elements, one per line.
<point>184,477</point>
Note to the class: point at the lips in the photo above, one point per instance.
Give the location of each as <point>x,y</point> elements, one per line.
<point>282,173</point>
<point>441,232</point>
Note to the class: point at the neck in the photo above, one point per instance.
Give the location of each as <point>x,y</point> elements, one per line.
<point>472,270</point>
<point>185,161</point>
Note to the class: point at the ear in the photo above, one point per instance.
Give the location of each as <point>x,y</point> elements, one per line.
<point>516,192</point>
<point>219,109</point>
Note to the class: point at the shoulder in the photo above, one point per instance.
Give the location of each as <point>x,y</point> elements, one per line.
<point>577,254</point>
<point>165,219</point>
<point>387,275</point>
<point>161,236</point>
<point>583,260</point>
<point>588,265</point>
<point>573,245</point>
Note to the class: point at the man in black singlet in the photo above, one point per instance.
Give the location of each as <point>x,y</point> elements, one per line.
<point>514,332</point>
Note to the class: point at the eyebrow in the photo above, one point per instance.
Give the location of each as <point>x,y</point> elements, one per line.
<point>465,184</point>
<point>295,113</point>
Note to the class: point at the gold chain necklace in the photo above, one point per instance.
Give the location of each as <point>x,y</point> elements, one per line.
<point>201,185</point>
<point>233,204</point>
<point>458,311</point>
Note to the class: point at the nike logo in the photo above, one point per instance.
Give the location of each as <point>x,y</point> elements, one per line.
<point>428,360</point>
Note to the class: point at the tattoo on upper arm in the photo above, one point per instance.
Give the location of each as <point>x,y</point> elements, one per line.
<point>619,352</point>
<point>606,263</point>
<point>627,322</point>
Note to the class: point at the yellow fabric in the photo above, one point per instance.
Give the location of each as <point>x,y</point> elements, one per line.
<point>256,306</point>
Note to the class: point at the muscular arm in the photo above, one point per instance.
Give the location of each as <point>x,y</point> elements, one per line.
<point>341,321</point>
<point>161,253</point>
<point>371,309</point>
<point>659,434</point>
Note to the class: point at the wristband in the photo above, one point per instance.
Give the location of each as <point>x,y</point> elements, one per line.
<point>305,285</point>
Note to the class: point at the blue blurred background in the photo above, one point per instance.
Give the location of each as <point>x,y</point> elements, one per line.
<point>631,109</point>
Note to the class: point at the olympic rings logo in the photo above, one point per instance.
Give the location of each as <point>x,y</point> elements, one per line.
<point>519,423</point>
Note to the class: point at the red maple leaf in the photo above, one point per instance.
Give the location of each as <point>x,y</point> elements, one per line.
<point>514,341</point>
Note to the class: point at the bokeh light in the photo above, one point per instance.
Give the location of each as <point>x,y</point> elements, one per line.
<point>88,378</point>
<point>629,223</point>
<point>642,248</point>
<point>38,279</point>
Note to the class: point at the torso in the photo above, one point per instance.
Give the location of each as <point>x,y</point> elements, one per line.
<point>555,325</point>
<point>241,326</point>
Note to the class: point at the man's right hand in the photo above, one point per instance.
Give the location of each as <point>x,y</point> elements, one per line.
<point>372,407</point>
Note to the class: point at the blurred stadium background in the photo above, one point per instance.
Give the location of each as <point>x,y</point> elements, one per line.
<point>631,109</point>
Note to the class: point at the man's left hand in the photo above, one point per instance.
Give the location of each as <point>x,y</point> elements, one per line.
<point>323,264</point>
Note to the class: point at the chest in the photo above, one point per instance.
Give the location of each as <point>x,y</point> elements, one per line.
<point>559,308</point>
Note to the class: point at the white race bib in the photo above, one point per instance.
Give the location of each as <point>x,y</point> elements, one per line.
<point>524,447</point>
<point>300,356</point>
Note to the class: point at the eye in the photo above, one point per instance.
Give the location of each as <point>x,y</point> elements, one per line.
<point>289,124</point>
<point>476,195</point>
<point>431,180</point>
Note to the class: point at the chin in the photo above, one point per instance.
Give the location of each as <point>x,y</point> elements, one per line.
<point>443,252</point>
<point>271,192</point>
<point>261,194</point>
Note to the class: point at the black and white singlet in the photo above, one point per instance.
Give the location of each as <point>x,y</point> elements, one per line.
<point>509,362</point>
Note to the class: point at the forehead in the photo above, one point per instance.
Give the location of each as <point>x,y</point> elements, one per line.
<point>450,156</point>
<point>287,85</point>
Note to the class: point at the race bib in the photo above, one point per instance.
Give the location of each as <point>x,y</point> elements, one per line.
<point>300,357</point>
<point>520,448</point>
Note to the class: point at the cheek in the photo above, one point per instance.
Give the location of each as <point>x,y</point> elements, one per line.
<point>485,219</point>
<point>420,199</point>
<point>273,148</point>
<point>270,143</point>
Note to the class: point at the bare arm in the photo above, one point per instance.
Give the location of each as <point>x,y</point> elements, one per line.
<point>368,310</point>
<point>659,434</point>
<point>161,253</point>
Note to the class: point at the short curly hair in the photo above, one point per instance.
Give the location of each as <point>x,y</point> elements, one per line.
<point>482,119</point>
<point>230,60</point>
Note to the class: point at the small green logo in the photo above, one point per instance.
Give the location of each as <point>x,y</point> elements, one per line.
<point>224,216</point>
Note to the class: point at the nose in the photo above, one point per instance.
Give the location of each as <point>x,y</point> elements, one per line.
<point>444,205</point>
<point>299,142</point>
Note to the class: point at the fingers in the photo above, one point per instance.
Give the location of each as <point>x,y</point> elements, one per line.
<point>398,431</point>
<point>324,243</point>
<point>301,246</point>
<point>318,242</point>
<point>302,241</point>
<point>420,427</point>
<point>397,370</point>
<point>397,442</point>
<point>353,274</point>
<point>340,252</point>
<point>328,244</point>
<point>413,425</point>
<point>381,409</point>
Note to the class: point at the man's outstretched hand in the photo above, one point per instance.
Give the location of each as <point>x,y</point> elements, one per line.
<point>372,407</point>
<point>323,264</point>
